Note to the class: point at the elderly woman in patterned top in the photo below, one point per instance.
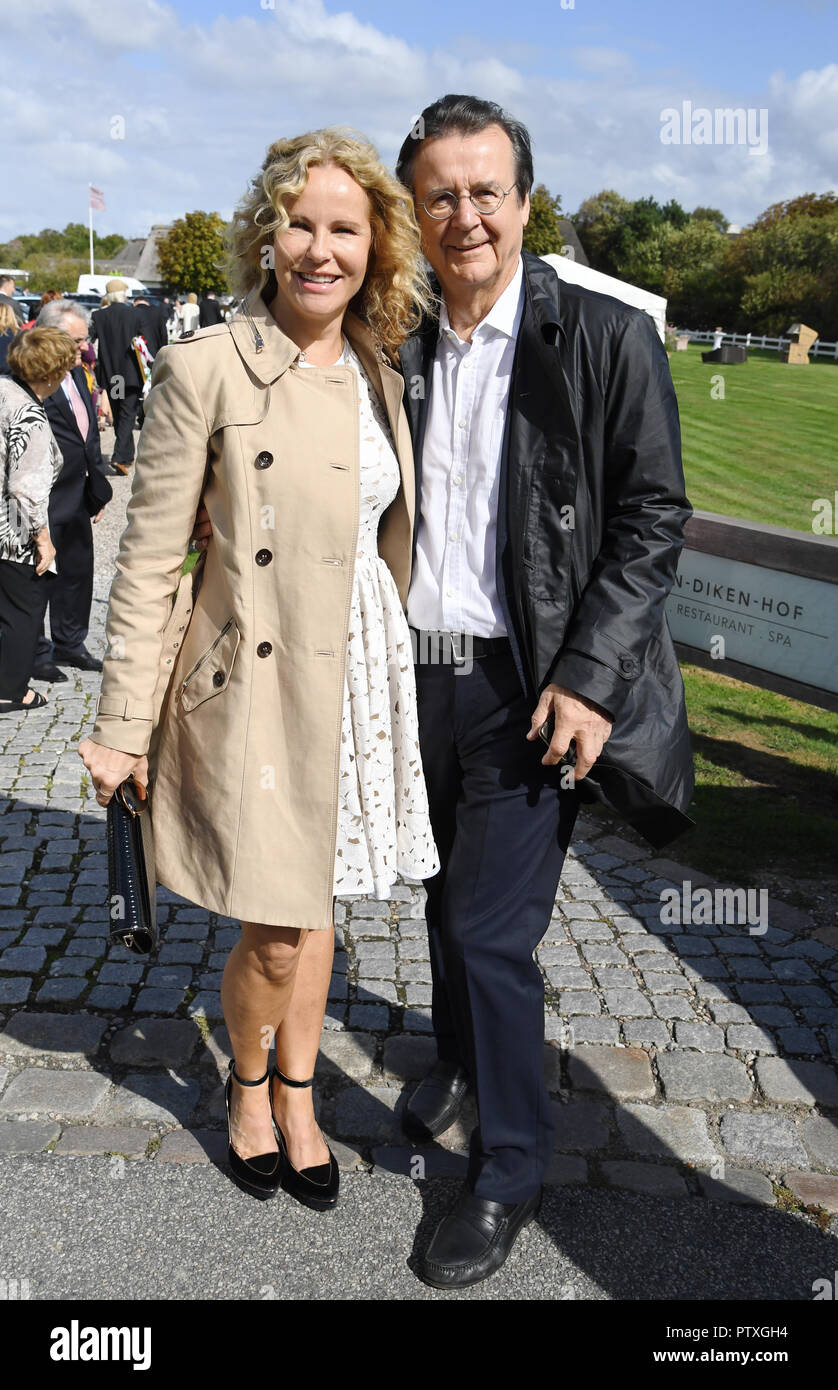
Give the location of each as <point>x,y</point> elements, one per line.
<point>30,462</point>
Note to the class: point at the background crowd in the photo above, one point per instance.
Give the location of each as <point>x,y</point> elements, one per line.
<point>66,375</point>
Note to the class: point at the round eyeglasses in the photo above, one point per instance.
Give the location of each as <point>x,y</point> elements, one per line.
<point>485,200</point>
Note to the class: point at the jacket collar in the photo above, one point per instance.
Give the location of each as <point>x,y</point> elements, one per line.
<point>268,352</point>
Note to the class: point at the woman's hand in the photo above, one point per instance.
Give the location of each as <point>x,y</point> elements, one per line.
<point>202,528</point>
<point>108,767</point>
<point>45,550</point>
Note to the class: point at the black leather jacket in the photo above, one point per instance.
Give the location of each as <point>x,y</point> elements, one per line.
<point>591,521</point>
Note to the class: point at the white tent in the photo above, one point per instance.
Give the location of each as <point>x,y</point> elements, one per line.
<point>576,274</point>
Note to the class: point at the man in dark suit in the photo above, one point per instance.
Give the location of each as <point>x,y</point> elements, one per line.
<point>210,311</point>
<point>152,320</point>
<point>81,491</point>
<point>113,328</point>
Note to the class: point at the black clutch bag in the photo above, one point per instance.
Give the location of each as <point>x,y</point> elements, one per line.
<point>132,891</point>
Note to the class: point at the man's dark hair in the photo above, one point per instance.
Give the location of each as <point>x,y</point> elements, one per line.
<point>466,115</point>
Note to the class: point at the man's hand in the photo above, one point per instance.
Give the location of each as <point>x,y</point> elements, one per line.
<point>202,530</point>
<point>576,718</point>
<point>98,516</point>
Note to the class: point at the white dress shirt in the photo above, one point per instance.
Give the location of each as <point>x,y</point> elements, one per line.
<point>453,587</point>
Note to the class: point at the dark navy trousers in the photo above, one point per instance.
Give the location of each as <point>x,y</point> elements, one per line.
<point>502,823</point>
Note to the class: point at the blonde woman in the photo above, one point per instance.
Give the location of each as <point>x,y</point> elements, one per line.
<point>285,766</point>
<point>190,314</point>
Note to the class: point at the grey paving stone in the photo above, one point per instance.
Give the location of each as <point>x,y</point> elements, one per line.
<point>650,1032</point>
<point>705,968</point>
<point>797,1083</point>
<point>40,1090</point>
<point>820,1135</point>
<point>563,957</point>
<point>154,1000</point>
<point>768,1138</point>
<point>673,1006</point>
<point>121,973</point>
<point>15,989</point>
<point>689,1076</point>
<point>656,1179</point>
<point>160,1042</point>
<point>804,996</point>
<point>374,991</point>
<point>109,996</point>
<point>74,1036</point>
<point>589,930</point>
<point>603,953</point>
<point>627,1003</point>
<point>579,1002</point>
<point>367,1114</point>
<point>61,991</point>
<point>188,931</point>
<point>375,950</point>
<point>678,1131</point>
<point>792,970</point>
<point>582,1126</point>
<point>192,1146</point>
<point>593,1030</point>
<point>374,1016</point>
<point>568,977</point>
<point>170,976</point>
<point>725,1011</point>
<point>146,1096</point>
<point>746,1037</point>
<point>799,1042</point>
<point>72,965</point>
<point>740,1185</point>
<point>623,1072</point>
<point>347,1055</point>
<point>130,1141</point>
<point>770,1016</point>
<point>407,1058</point>
<point>418,994</point>
<point>419,971</point>
<point>27,1136</point>
<point>612,977</point>
<point>338,988</point>
<point>29,958</point>
<point>704,1036</point>
<point>43,936</point>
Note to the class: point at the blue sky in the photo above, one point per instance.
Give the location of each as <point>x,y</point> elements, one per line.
<point>202,86</point>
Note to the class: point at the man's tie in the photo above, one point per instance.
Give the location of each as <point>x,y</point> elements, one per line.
<point>82,417</point>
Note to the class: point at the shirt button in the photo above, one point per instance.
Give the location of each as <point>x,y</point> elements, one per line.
<point>452,535</point>
<point>457,480</point>
<point>461,424</point>
<point>449,593</point>
<point>264,649</point>
<point>263,557</point>
<point>264,460</point>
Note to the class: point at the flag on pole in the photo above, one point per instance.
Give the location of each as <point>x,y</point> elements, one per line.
<point>97,199</point>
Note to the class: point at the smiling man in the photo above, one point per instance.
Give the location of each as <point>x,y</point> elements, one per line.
<point>550,517</point>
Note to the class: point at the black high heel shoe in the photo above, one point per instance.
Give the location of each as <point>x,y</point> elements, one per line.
<point>260,1175</point>
<point>315,1187</point>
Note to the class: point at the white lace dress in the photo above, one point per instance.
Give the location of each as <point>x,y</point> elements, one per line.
<point>384,827</point>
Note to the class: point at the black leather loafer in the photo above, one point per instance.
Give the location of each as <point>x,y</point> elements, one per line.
<point>436,1102</point>
<point>81,658</point>
<point>48,671</point>
<point>473,1240</point>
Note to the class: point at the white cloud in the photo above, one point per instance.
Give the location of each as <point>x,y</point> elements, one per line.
<point>201,101</point>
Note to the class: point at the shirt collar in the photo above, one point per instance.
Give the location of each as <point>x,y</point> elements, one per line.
<point>504,316</point>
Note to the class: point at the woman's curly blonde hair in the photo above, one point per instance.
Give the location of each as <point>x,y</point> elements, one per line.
<point>395,292</point>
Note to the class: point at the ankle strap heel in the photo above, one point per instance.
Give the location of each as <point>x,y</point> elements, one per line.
<point>286,1080</point>
<point>240,1082</point>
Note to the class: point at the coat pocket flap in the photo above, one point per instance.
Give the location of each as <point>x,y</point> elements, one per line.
<point>211,672</point>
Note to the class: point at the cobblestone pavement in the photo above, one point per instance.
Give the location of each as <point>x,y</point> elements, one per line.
<point>691,1061</point>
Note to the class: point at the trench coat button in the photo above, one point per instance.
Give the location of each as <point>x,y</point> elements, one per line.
<point>264,649</point>
<point>626,664</point>
<point>218,678</point>
<point>264,460</point>
<point>263,557</point>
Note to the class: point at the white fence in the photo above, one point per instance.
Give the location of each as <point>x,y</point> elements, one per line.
<point>818,349</point>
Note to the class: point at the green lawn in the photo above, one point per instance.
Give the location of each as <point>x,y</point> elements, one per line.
<point>768,449</point>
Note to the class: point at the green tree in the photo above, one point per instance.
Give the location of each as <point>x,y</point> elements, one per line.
<point>190,252</point>
<point>543,233</point>
<point>599,223</point>
<point>714,215</point>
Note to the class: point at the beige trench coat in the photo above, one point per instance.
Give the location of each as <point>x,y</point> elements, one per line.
<point>232,679</point>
